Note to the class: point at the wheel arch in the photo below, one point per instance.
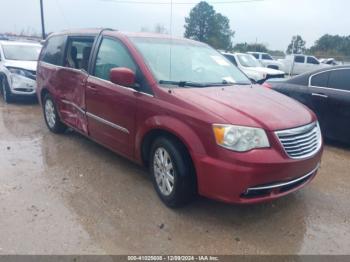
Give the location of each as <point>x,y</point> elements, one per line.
<point>168,127</point>
<point>43,92</point>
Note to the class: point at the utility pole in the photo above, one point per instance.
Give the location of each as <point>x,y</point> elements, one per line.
<point>42,20</point>
<point>293,57</point>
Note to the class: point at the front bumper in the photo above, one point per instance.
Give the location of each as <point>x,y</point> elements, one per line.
<point>234,181</point>
<point>23,86</point>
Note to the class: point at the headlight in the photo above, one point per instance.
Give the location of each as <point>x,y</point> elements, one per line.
<point>240,138</point>
<point>17,71</point>
<point>21,72</point>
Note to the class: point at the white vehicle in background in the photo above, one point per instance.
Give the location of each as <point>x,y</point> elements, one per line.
<point>299,64</point>
<point>329,61</point>
<point>266,60</point>
<point>252,67</point>
<point>18,62</point>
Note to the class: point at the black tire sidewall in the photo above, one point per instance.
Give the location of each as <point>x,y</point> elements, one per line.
<point>182,190</point>
<point>4,85</point>
<point>59,127</point>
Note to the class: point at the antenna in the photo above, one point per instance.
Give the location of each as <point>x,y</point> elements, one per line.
<point>171,39</point>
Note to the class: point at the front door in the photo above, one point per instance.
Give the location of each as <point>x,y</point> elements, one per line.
<point>111,108</point>
<point>74,75</point>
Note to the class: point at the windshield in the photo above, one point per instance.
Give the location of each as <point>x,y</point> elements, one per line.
<point>21,52</point>
<point>184,61</point>
<point>248,60</point>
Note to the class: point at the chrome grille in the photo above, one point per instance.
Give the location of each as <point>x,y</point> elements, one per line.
<point>301,142</point>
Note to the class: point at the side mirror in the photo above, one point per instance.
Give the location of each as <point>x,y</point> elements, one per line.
<point>253,81</point>
<point>122,76</point>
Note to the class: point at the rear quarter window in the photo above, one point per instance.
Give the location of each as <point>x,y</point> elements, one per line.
<point>340,79</point>
<point>53,50</point>
<point>320,80</point>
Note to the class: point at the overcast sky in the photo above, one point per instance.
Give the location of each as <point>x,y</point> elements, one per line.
<point>272,22</point>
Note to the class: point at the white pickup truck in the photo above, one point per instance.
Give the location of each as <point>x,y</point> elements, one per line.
<point>299,64</point>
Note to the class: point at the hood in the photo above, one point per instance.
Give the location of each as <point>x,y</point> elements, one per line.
<point>28,65</point>
<point>273,62</point>
<point>254,106</point>
<point>264,70</point>
<point>322,65</point>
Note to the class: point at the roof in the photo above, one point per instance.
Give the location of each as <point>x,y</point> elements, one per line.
<point>228,53</point>
<point>297,78</point>
<point>96,31</point>
<point>261,53</point>
<point>90,31</point>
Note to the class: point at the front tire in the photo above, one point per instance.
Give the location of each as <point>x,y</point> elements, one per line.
<point>5,91</point>
<point>51,116</point>
<point>172,172</point>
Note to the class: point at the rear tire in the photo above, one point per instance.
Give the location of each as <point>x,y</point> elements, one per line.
<point>172,172</point>
<point>51,116</point>
<point>5,91</point>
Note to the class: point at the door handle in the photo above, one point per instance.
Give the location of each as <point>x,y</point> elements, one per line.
<point>320,95</point>
<point>93,89</point>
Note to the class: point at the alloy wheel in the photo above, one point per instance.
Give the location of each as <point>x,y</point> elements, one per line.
<point>164,171</point>
<point>50,113</point>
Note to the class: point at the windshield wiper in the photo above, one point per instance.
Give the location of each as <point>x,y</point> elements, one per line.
<point>193,84</point>
<point>180,83</point>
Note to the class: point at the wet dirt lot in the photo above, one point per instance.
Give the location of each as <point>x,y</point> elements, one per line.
<point>63,194</point>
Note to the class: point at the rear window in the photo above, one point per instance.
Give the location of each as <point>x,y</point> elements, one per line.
<point>54,50</point>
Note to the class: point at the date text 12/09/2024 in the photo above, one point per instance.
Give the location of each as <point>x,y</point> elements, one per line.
<point>173,258</point>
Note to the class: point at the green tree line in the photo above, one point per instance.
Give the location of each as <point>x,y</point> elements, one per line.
<point>206,25</point>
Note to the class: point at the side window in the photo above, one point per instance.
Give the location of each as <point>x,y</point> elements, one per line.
<point>320,80</point>
<point>266,57</point>
<point>255,55</point>
<point>299,59</point>
<point>112,53</point>
<point>312,60</point>
<point>78,52</point>
<point>340,79</point>
<point>53,50</point>
<point>232,59</point>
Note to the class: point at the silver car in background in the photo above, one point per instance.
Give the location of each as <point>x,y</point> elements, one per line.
<point>18,62</point>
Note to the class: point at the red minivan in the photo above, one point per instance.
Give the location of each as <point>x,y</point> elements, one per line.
<point>181,109</point>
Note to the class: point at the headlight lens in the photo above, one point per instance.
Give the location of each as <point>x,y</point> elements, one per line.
<point>240,138</point>
<point>21,72</point>
<point>17,71</point>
